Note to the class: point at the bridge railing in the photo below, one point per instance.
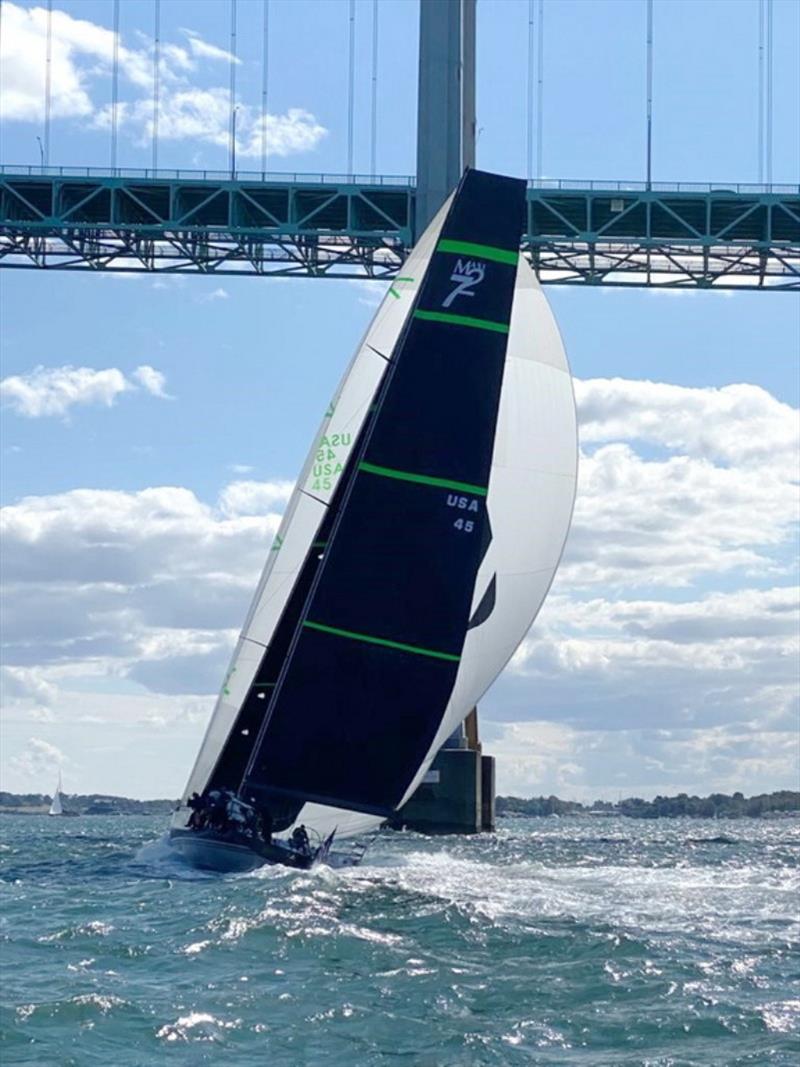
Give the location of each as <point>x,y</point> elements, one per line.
<point>401,180</point>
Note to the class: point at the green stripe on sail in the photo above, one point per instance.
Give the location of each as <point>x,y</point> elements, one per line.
<point>381,641</point>
<point>467,248</point>
<point>462,320</point>
<point>423,479</point>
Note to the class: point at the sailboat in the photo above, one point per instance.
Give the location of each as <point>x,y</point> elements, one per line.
<point>415,552</point>
<point>56,805</point>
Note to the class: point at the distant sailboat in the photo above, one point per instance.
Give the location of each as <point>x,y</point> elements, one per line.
<point>56,806</point>
<point>415,552</point>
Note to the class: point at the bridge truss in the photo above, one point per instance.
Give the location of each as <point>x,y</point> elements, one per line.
<point>318,226</point>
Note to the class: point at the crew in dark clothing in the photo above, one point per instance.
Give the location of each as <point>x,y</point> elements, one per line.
<point>299,840</point>
<point>197,819</point>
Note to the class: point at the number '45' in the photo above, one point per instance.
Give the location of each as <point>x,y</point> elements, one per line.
<point>467,525</point>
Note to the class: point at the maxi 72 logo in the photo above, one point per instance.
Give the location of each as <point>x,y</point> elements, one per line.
<point>467,275</point>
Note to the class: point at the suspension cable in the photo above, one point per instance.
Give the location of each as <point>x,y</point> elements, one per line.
<point>540,96</point>
<point>115,87</point>
<point>264,87</point>
<point>373,144</point>
<point>48,82</point>
<point>531,13</point>
<point>351,86</point>
<point>649,93</point>
<point>232,94</point>
<point>156,76</point>
<point>761,8</point>
<point>769,92</point>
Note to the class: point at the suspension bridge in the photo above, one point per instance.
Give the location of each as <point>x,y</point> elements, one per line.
<point>232,221</point>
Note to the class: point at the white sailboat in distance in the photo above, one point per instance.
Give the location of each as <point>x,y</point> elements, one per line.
<point>415,552</point>
<point>56,805</point>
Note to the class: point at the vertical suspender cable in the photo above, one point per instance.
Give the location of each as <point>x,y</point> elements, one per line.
<point>48,82</point>
<point>530,87</point>
<point>769,93</point>
<point>232,93</point>
<point>373,141</point>
<point>1,70</point>
<point>156,77</point>
<point>264,88</point>
<point>540,95</point>
<point>115,87</point>
<point>351,86</point>
<point>760,92</point>
<point>649,93</point>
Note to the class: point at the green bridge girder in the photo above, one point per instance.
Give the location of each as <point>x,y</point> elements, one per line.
<point>611,233</point>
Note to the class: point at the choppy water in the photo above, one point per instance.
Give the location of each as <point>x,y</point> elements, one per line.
<point>571,941</point>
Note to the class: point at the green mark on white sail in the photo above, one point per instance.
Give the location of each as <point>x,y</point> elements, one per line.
<point>392,289</point>
<point>423,479</point>
<point>276,544</point>
<point>461,320</point>
<point>467,248</point>
<point>370,640</point>
<point>331,409</point>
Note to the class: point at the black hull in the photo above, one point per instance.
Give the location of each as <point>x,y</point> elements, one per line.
<point>234,853</point>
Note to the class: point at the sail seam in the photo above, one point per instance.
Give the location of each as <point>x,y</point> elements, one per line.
<point>468,248</point>
<point>462,320</point>
<point>422,479</point>
<point>369,639</point>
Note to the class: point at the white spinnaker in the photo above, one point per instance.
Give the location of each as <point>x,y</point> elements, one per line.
<point>306,508</point>
<point>530,499</point>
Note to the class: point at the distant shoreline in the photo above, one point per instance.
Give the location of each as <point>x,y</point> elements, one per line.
<point>717,805</point>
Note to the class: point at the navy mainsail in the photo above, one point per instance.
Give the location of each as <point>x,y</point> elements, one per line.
<point>354,685</point>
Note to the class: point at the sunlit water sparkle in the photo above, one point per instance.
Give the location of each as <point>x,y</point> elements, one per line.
<point>555,941</point>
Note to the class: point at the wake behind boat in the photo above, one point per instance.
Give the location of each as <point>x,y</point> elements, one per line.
<point>415,552</point>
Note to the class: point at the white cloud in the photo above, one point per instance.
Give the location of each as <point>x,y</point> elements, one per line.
<point>736,424</point>
<point>665,654</point>
<point>37,760</point>
<point>216,294</point>
<point>152,380</point>
<point>202,48</point>
<point>52,391</point>
<point>82,54</point>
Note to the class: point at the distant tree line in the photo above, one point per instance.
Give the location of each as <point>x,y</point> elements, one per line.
<point>90,804</point>
<point>717,805</point>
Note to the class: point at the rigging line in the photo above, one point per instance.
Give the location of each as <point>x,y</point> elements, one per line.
<point>531,13</point>
<point>540,95</point>
<point>264,87</point>
<point>769,94</point>
<point>374,117</point>
<point>1,72</point>
<point>649,93</point>
<point>156,76</point>
<point>115,86</point>
<point>351,86</point>
<point>760,92</point>
<point>233,107</point>
<point>48,82</point>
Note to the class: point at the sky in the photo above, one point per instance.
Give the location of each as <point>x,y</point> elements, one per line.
<point>152,427</point>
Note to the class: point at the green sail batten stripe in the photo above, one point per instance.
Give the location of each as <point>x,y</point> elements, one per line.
<point>319,544</point>
<point>461,320</point>
<point>394,292</point>
<point>370,640</point>
<point>399,279</point>
<point>423,479</point>
<point>467,248</point>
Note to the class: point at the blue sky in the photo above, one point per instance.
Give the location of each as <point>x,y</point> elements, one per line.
<point>687,402</point>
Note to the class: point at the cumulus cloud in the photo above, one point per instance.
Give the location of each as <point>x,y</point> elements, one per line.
<point>49,391</point>
<point>736,424</point>
<point>37,760</point>
<point>82,54</point>
<point>665,654</point>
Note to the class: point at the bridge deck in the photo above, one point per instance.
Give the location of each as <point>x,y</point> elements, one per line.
<point>609,233</point>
